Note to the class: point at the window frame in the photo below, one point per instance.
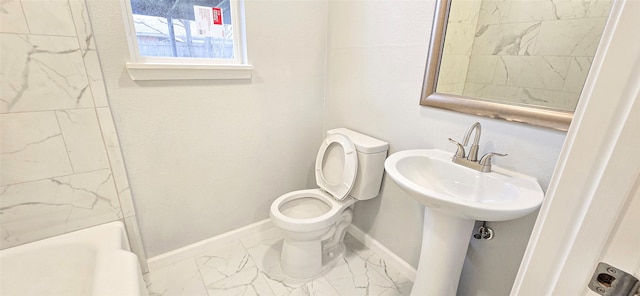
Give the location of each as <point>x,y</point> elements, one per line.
<point>180,68</point>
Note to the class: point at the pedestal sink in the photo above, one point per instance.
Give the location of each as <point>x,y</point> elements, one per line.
<point>455,197</point>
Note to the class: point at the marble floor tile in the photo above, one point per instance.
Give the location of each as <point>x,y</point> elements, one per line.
<point>401,283</point>
<point>316,287</point>
<point>251,267</point>
<point>179,279</point>
<point>229,270</point>
<point>264,248</point>
<point>354,276</point>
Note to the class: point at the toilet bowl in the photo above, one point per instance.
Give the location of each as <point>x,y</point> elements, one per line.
<point>349,167</point>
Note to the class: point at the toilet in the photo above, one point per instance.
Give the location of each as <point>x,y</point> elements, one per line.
<point>348,168</point>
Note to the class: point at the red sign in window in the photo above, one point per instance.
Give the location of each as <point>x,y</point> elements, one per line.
<point>217,16</point>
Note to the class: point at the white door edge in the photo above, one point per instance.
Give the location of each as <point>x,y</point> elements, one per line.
<point>584,199</point>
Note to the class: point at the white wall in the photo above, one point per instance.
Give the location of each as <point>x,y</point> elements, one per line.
<point>206,157</point>
<point>376,59</point>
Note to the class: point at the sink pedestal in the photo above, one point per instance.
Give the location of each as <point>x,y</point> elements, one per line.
<point>455,197</point>
<point>445,240</point>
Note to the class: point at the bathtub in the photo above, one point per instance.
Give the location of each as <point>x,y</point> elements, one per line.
<point>94,261</point>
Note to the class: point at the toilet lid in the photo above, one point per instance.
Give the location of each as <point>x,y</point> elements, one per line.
<point>337,165</point>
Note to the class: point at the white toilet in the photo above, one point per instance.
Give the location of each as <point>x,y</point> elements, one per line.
<point>349,167</point>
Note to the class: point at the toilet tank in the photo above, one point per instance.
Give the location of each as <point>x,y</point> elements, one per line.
<point>371,155</point>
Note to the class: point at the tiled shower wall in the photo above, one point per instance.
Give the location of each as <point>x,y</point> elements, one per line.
<point>461,29</point>
<point>535,52</point>
<point>522,51</point>
<point>60,163</point>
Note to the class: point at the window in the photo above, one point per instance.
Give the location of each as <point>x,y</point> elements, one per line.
<point>186,39</point>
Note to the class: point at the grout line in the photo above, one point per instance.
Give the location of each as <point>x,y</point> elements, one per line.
<point>64,141</point>
<point>48,110</point>
<point>54,177</point>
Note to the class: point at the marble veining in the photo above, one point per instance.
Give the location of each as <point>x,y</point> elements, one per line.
<point>51,17</point>
<point>12,19</point>
<point>49,66</point>
<point>62,168</point>
<point>501,39</point>
<point>250,266</point>
<point>526,52</point>
<point>32,147</point>
<point>33,210</point>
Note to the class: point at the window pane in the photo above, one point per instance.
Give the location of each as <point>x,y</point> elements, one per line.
<point>184,28</point>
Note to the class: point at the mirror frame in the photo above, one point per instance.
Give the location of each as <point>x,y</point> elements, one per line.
<point>532,115</point>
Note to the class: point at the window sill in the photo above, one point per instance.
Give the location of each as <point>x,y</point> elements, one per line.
<point>165,71</point>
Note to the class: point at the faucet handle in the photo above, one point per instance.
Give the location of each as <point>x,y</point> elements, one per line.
<point>460,151</point>
<point>486,159</point>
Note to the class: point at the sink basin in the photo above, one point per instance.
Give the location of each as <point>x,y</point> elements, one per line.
<point>454,197</point>
<point>431,178</point>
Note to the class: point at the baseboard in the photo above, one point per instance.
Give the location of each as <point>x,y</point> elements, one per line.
<point>387,255</point>
<point>192,250</point>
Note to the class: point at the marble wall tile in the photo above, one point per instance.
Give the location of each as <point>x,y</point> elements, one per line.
<point>459,39</point>
<point>51,80</point>
<point>577,74</point>
<point>550,98</point>
<point>460,32</point>
<point>453,69</point>
<point>493,12</point>
<point>44,208</point>
<point>36,67</point>
<point>578,37</point>
<point>115,158</point>
<point>492,92</point>
<point>531,11</point>
<point>12,18</point>
<point>116,161</point>
<point>546,50</point>
<point>31,147</point>
<point>506,39</point>
<point>452,88</point>
<point>49,17</point>
<point>89,52</point>
<point>543,72</point>
<point>83,139</point>
<point>573,9</point>
<point>482,68</point>
<point>464,12</point>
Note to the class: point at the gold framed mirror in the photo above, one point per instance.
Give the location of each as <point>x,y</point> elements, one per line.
<point>520,61</point>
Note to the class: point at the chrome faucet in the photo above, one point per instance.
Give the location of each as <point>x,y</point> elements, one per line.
<point>471,161</point>
<point>473,152</point>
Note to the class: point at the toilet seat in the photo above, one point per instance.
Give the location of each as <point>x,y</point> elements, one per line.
<point>339,190</point>
<point>310,224</point>
<point>331,192</point>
